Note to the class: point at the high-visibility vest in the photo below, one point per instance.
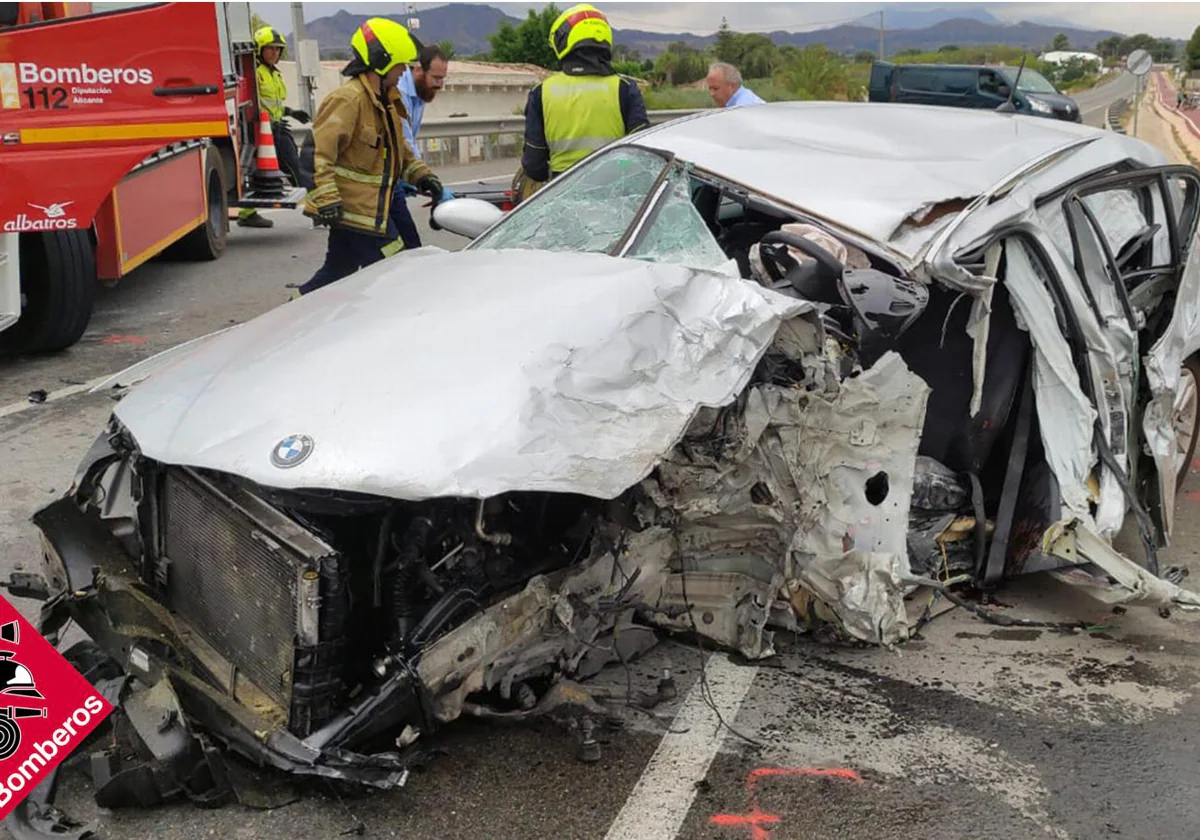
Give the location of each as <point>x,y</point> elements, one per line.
<point>581,114</point>
<point>272,91</point>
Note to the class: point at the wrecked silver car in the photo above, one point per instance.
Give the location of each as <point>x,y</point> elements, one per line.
<point>759,369</point>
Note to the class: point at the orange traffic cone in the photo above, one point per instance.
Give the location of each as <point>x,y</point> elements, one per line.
<point>268,180</point>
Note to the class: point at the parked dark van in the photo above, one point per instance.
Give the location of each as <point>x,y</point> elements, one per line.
<point>967,86</point>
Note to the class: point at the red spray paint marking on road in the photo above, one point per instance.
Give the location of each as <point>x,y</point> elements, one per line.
<point>124,339</point>
<point>756,819</point>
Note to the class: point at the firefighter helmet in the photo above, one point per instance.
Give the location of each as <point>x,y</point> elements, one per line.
<point>578,25</point>
<point>268,36</point>
<point>381,44</point>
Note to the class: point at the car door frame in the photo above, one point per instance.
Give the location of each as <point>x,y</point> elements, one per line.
<point>1178,339</point>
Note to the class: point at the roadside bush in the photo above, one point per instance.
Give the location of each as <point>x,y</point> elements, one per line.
<point>816,73</point>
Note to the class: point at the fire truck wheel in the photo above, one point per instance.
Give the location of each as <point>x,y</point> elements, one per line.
<point>58,290</point>
<point>208,241</point>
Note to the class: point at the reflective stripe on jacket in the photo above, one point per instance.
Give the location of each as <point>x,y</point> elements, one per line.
<point>582,114</point>
<point>272,91</point>
<point>359,152</point>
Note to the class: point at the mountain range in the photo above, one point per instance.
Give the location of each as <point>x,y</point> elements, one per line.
<point>468,25</point>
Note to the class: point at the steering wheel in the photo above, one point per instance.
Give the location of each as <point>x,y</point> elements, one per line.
<point>814,280</point>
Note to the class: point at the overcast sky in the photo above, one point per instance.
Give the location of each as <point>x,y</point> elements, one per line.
<point>1176,20</point>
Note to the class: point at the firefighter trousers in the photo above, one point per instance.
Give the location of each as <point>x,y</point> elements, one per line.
<point>348,251</point>
<point>289,156</point>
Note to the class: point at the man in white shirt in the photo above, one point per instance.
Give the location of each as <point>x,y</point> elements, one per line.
<point>725,87</point>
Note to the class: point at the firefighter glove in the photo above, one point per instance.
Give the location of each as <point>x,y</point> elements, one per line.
<point>431,186</point>
<point>299,116</point>
<point>330,213</point>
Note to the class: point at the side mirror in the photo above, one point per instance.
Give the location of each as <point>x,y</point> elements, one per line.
<point>467,217</point>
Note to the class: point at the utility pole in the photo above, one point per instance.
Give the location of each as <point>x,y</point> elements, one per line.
<point>306,81</point>
<point>881,34</point>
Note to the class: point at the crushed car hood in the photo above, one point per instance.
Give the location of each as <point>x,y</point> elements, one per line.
<point>463,374</point>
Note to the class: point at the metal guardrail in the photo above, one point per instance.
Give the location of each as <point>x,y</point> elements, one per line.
<point>1112,115</point>
<point>476,126</point>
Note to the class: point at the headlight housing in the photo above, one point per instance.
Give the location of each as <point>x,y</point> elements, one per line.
<point>1040,107</point>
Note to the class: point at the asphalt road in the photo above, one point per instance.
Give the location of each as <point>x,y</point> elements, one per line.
<point>970,731</point>
<point>1092,103</point>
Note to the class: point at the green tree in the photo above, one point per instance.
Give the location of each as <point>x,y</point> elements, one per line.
<point>726,48</point>
<point>948,48</point>
<point>681,64</point>
<point>864,56</point>
<point>816,73</point>
<point>757,56</point>
<point>1110,47</point>
<point>527,43</point>
<point>447,48</point>
<point>1140,41</point>
<point>628,67</point>
<point>1073,70</point>
<point>1060,42</point>
<point>1192,51</point>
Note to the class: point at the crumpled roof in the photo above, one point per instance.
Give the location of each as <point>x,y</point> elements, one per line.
<point>465,374</point>
<point>865,166</point>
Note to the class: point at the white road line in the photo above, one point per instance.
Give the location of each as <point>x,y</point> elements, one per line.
<point>61,393</point>
<point>662,797</point>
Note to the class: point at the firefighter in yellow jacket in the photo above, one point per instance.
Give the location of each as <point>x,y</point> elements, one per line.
<point>272,98</point>
<point>581,108</point>
<point>361,152</point>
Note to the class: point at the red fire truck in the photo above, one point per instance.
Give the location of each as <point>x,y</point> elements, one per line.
<point>124,133</point>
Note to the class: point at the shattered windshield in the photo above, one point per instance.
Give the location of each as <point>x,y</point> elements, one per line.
<point>677,232</point>
<point>587,210</point>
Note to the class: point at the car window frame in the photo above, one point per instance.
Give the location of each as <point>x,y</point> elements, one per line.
<point>1138,180</point>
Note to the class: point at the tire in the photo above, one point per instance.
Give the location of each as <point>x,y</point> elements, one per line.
<point>1186,417</point>
<point>58,291</point>
<point>207,242</point>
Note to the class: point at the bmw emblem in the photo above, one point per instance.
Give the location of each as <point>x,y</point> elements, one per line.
<point>292,451</point>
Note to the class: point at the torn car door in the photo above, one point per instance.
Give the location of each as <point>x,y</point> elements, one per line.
<point>1133,237</point>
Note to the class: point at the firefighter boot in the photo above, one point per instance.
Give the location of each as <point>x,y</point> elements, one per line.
<point>254,219</point>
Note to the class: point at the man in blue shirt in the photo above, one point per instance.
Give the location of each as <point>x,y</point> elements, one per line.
<point>418,86</point>
<point>725,87</point>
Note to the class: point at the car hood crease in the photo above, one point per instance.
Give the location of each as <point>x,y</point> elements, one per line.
<point>465,374</point>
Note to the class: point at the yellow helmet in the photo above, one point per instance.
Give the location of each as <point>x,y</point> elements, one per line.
<point>383,43</point>
<point>268,36</point>
<point>579,24</point>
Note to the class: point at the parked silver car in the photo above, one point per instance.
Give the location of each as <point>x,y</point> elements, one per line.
<point>761,368</point>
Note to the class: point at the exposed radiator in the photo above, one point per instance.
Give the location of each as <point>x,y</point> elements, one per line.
<point>265,592</point>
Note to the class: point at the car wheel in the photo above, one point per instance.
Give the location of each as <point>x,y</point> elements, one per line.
<point>58,290</point>
<point>1186,418</point>
<point>208,241</point>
